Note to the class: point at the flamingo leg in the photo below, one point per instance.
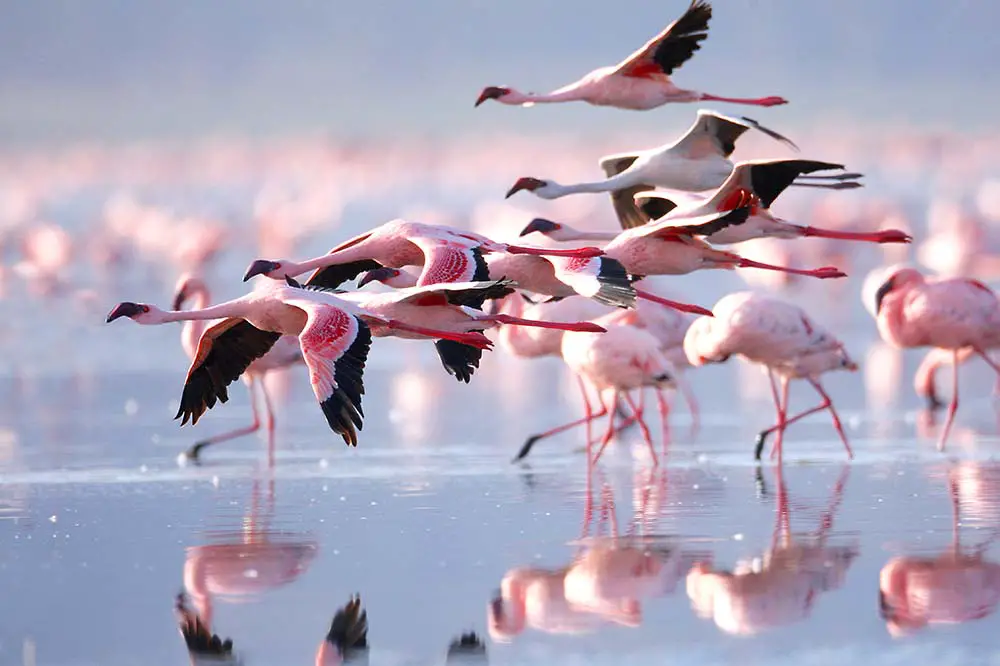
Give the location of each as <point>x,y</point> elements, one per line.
<point>588,411</point>
<point>822,273</point>
<point>828,403</point>
<point>582,326</point>
<point>887,236</point>
<point>782,421</point>
<point>761,439</point>
<point>644,428</point>
<point>664,407</point>
<point>952,406</point>
<point>610,432</point>
<point>579,253</point>
<point>193,452</point>
<point>530,442</point>
<point>473,339</point>
<point>753,101</point>
<point>269,421</point>
<point>674,305</point>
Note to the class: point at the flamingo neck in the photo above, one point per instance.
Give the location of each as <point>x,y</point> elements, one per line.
<point>568,233</point>
<point>235,308</point>
<point>570,93</point>
<point>355,252</point>
<point>191,334</point>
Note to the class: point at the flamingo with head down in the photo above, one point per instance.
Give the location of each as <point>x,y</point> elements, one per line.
<point>641,81</point>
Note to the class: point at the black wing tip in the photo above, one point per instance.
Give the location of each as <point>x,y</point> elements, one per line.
<point>615,285</point>
<point>468,644</point>
<point>458,359</point>
<point>342,409</point>
<point>349,627</point>
<point>331,277</point>
<point>482,272</point>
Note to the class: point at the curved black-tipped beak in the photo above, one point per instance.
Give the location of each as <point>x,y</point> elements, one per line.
<point>491,92</point>
<point>881,294</point>
<point>377,275</point>
<point>540,225</point>
<point>124,310</point>
<point>260,267</point>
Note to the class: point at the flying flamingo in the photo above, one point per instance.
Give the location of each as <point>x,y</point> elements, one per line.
<point>198,636</point>
<point>955,314</point>
<point>284,353</point>
<point>348,635</point>
<point>623,358</point>
<point>781,337</point>
<point>697,161</point>
<point>641,81</point>
<point>446,255</point>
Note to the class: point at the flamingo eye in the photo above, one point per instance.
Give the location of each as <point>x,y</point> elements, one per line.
<point>145,309</point>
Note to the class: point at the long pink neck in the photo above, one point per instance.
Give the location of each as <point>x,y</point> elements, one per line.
<point>568,233</point>
<point>361,250</point>
<point>191,333</point>
<point>891,325</point>
<point>570,93</point>
<point>234,308</point>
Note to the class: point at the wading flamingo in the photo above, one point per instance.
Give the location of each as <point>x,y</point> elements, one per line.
<point>781,337</point>
<point>285,352</point>
<point>955,314</point>
<point>641,81</point>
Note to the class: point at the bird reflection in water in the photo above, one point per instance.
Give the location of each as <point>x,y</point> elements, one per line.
<point>960,584</point>
<point>241,565</point>
<point>203,646</point>
<point>781,586</point>
<point>347,640</point>
<point>605,581</point>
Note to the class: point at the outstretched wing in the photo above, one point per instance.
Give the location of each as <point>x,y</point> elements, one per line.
<point>224,353</point>
<point>769,179</point>
<point>602,278</point>
<point>671,48</point>
<point>447,262</point>
<point>349,628</point>
<point>714,133</point>
<point>331,277</point>
<point>703,225</point>
<point>198,637</point>
<point>335,346</point>
<point>626,210</point>
<point>468,294</point>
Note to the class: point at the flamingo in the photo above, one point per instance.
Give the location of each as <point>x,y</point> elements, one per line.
<point>623,358</point>
<point>285,352</point>
<point>956,314</point>
<point>641,81</point>
<point>781,337</point>
<point>446,255</point>
<point>663,249</point>
<point>347,639</point>
<point>698,160</point>
<point>466,649</point>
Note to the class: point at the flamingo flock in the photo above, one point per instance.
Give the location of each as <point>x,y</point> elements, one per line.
<point>589,304</point>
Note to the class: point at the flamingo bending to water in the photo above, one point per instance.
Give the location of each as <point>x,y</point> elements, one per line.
<point>285,352</point>
<point>781,337</point>
<point>641,81</point>
<point>955,314</point>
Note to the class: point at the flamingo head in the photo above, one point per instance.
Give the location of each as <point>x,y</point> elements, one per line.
<point>529,184</point>
<point>276,270</point>
<point>140,313</point>
<point>492,92</point>
<point>385,275</point>
<point>542,226</point>
<point>187,286</point>
<point>701,346</point>
<point>894,280</point>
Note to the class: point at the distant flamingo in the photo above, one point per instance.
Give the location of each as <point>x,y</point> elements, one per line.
<point>347,639</point>
<point>446,255</point>
<point>641,81</point>
<point>953,314</point>
<point>623,358</point>
<point>284,353</point>
<point>781,337</point>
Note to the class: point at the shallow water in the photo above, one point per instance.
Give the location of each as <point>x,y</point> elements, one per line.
<point>101,527</point>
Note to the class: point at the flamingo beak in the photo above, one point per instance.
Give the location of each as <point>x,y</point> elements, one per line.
<point>378,275</point>
<point>124,310</point>
<point>527,183</point>
<point>260,267</point>
<point>491,92</point>
<point>540,225</point>
<point>882,292</point>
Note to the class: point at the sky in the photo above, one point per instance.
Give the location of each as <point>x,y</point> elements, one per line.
<point>119,69</point>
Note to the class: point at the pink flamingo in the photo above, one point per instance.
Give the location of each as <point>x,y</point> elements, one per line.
<point>446,255</point>
<point>348,635</point>
<point>285,352</point>
<point>698,160</point>
<point>781,337</point>
<point>954,314</point>
<point>623,358</point>
<point>641,81</point>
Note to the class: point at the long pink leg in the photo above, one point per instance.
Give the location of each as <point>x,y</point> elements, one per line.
<point>609,433</point>
<point>531,441</point>
<point>579,326</point>
<point>761,438</point>
<point>953,405</point>
<point>823,273</point>
<point>782,421</point>
<point>644,428</point>
<point>675,305</point>
<point>580,253</point>
<point>828,403</point>
<point>193,452</point>
<point>269,421</point>
<point>887,236</point>
<point>477,340</point>
<point>753,101</point>
<point>664,406</point>
<point>588,411</point>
